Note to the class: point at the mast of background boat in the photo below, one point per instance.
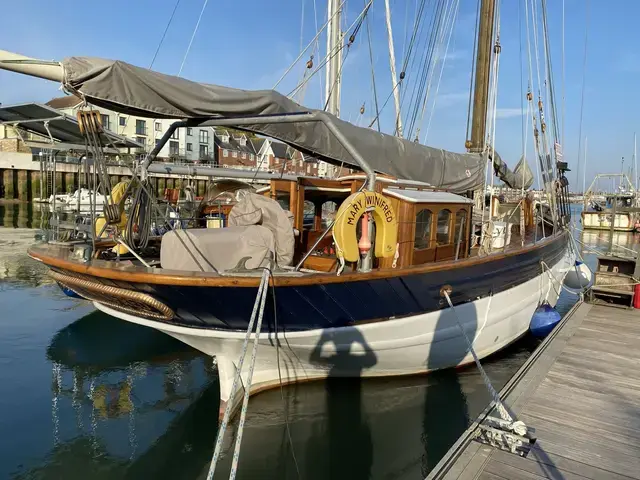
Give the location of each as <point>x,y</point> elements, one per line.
<point>584,173</point>
<point>392,62</point>
<point>635,164</point>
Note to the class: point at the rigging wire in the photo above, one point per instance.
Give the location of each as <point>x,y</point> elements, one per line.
<point>373,75</point>
<point>315,39</point>
<point>426,68</point>
<point>444,63</point>
<point>584,75</point>
<point>530,107</point>
<point>286,413</point>
<point>352,39</point>
<point>193,35</point>
<point>317,49</point>
<point>302,25</point>
<point>334,52</point>
<point>564,81</point>
<point>164,34</point>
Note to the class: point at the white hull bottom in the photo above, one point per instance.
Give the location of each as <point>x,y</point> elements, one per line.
<point>403,346</point>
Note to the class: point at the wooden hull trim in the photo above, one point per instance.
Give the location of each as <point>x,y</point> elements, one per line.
<point>118,272</point>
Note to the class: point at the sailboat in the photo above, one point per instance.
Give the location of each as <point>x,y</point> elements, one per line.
<point>366,296</point>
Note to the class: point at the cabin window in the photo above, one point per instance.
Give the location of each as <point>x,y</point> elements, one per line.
<point>443,233</point>
<point>423,229</point>
<point>459,222</point>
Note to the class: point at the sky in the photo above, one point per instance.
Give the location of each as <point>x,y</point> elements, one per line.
<point>250,45</point>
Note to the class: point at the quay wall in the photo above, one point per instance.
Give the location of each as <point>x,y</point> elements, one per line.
<point>20,178</point>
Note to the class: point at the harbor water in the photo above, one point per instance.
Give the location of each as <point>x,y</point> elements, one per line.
<point>86,396</point>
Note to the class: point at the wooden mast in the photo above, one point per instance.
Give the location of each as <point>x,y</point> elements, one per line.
<point>483,74</point>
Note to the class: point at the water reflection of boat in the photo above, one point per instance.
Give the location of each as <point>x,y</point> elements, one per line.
<point>99,343</point>
<point>170,455</point>
<point>111,377</point>
<point>601,239</point>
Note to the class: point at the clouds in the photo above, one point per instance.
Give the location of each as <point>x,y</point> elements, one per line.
<point>502,113</point>
<point>628,62</point>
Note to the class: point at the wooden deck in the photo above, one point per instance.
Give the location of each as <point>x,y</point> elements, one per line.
<point>580,390</point>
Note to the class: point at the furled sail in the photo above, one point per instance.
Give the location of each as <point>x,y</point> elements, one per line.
<point>520,178</point>
<point>138,91</point>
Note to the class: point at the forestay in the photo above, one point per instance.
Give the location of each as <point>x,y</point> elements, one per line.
<point>138,91</point>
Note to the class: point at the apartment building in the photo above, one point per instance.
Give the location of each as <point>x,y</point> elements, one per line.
<point>221,147</point>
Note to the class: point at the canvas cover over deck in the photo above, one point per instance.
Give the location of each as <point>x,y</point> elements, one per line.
<point>126,88</point>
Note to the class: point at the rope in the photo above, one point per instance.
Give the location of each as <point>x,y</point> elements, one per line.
<point>517,426</point>
<point>444,63</point>
<point>258,312</point>
<point>373,75</point>
<point>193,35</point>
<point>315,39</point>
<point>584,74</point>
<point>164,34</point>
<point>286,415</point>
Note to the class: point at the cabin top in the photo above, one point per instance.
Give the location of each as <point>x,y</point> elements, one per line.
<point>426,196</point>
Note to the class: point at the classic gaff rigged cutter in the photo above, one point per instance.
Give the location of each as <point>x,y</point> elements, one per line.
<point>357,292</point>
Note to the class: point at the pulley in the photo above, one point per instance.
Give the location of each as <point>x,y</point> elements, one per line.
<point>310,63</point>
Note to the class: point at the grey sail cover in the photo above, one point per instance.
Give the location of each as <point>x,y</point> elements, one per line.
<point>125,88</point>
<point>520,178</point>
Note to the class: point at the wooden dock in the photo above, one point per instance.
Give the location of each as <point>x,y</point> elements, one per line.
<point>580,390</point>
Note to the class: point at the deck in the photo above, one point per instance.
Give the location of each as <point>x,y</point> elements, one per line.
<point>580,390</point>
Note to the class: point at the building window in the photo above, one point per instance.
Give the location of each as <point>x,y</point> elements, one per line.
<point>141,140</point>
<point>443,233</point>
<point>105,121</point>
<point>423,229</point>
<point>308,169</point>
<point>122,121</point>
<point>189,147</point>
<point>225,153</point>
<point>176,134</point>
<point>157,141</point>
<point>244,155</point>
<point>141,127</point>
<point>204,136</point>
<point>174,148</point>
<point>189,131</point>
<point>204,151</point>
<point>158,127</point>
<point>251,157</point>
<point>301,162</point>
<point>234,154</point>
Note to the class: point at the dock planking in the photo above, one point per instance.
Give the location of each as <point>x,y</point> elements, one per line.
<point>580,390</point>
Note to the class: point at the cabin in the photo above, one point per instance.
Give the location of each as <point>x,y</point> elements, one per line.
<point>433,226</point>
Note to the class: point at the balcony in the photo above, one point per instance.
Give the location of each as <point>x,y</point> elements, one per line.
<point>141,129</point>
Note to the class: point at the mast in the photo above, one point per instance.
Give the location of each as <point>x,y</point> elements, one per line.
<point>482,76</point>
<point>392,62</point>
<point>333,67</point>
<point>334,54</point>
